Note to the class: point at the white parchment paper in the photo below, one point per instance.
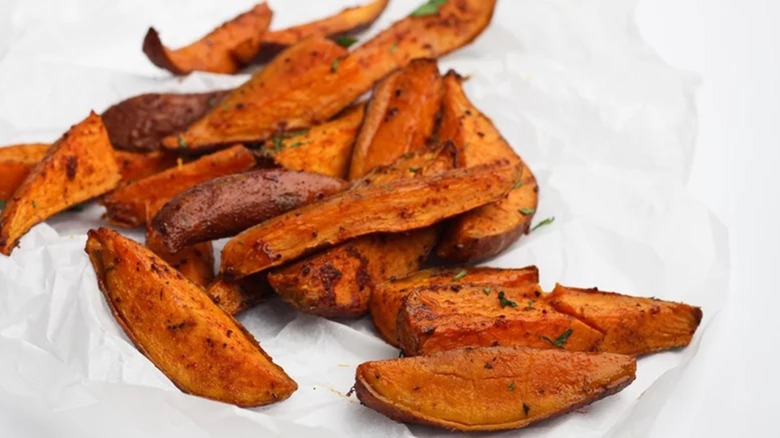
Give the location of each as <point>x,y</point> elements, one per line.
<point>607,127</point>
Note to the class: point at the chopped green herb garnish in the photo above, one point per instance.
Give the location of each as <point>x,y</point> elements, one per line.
<point>77,208</point>
<point>561,340</point>
<point>297,144</point>
<point>225,107</point>
<point>504,301</point>
<point>35,204</point>
<point>460,275</point>
<point>547,221</point>
<point>431,7</point>
<point>345,41</point>
<point>334,66</point>
<point>182,142</point>
<point>2,204</point>
<point>278,143</point>
<point>414,169</point>
<point>518,184</point>
<point>527,211</point>
<point>401,353</point>
<point>530,303</point>
<point>393,48</point>
<point>487,290</point>
<point>511,386</point>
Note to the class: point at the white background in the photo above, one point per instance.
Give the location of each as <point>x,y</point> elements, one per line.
<point>735,47</point>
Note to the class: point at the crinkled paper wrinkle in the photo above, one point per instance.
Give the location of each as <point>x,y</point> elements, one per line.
<point>605,124</point>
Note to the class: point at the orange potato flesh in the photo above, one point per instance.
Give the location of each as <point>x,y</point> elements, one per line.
<point>15,164</point>
<point>487,231</point>
<point>349,20</point>
<point>484,389</point>
<point>631,325</point>
<point>202,349</point>
<point>387,297</point>
<point>224,50</point>
<point>130,205</point>
<point>328,87</point>
<point>401,116</point>
<point>236,296</point>
<point>338,282</point>
<point>324,149</point>
<point>135,166</point>
<point>364,209</point>
<point>432,320</point>
<point>78,167</point>
<point>194,262</point>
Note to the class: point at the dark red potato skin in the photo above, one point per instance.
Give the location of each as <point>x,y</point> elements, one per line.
<point>228,205</point>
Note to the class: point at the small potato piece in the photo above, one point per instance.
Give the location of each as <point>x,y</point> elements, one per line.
<point>139,123</point>
<point>227,205</point>
<point>236,296</point>
<point>387,297</point>
<point>130,205</point>
<point>401,116</point>
<point>325,149</point>
<point>494,388</point>
<point>487,231</point>
<point>78,167</point>
<point>364,209</point>
<point>631,325</point>
<point>224,50</point>
<point>320,91</point>
<point>432,320</point>
<point>16,161</point>
<point>195,262</point>
<point>347,21</point>
<point>202,349</point>
<point>338,282</point>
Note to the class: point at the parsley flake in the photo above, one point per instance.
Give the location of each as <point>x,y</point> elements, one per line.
<point>511,386</point>
<point>460,275</point>
<point>345,41</point>
<point>2,204</point>
<point>393,48</point>
<point>34,204</point>
<point>297,144</point>
<point>504,301</point>
<point>547,221</point>
<point>431,7</point>
<point>414,169</point>
<point>278,143</point>
<point>334,66</point>
<point>518,184</point>
<point>527,211</point>
<point>182,142</point>
<point>487,290</point>
<point>561,340</point>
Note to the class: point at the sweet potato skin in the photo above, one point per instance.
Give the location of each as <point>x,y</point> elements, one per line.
<point>387,297</point>
<point>324,89</point>
<point>130,205</point>
<point>487,231</point>
<point>325,149</point>
<point>194,262</point>
<point>227,205</point>
<point>437,319</point>
<point>16,161</point>
<point>347,21</point>
<point>203,350</point>
<point>400,118</point>
<point>236,296</point>
<point>224,50</point>
<point>487,389</point>
<point>631,325</point>
<point>364,209</point>
<point>139,123</point>
<point>78,167</point>
<point>338,282</point>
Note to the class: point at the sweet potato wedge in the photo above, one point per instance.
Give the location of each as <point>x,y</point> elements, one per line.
<point>236,296</point>
<point>484,232</point>
<point>78,167</point>
<point>347,21</point>
<point>485,389</point>
<point>224,50</point>
<point>387,297</point>
<point>319,92</point>
<point>202,349</point>
<point>400,118</point>
<point>230,204</point>
<point>135,166</point>
<point>130,205</point>
<point>195,262</point>
<point>338,282</point>
<point>364,209</point>
<point>325,149</point>
<point>16,161</point>
<point>437,319</point>
<point>139,123</point>
<point>631,325</point>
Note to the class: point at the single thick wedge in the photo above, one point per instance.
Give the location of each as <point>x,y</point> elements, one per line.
<point>484,389</point>
<point>202,349</point>
<point>236,296</point>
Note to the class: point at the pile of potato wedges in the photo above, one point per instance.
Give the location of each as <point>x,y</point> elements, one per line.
<point>342,207</point>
